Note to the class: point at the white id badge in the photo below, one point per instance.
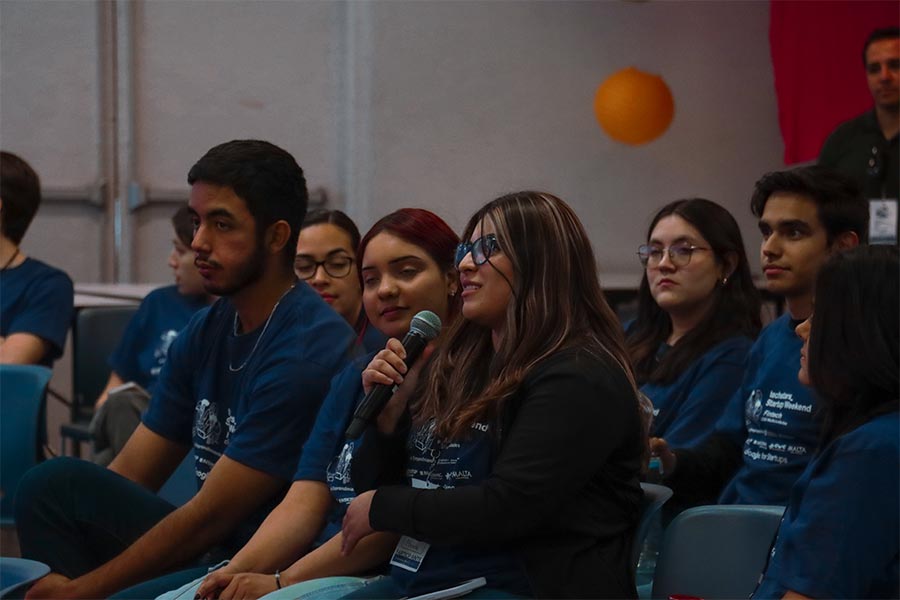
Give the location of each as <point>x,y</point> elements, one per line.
<point>409,553</point>
<point>883,221</point>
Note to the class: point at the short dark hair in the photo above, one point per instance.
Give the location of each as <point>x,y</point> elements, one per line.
<point>324,216</point>
<point>265,177</point>
<point>840,202</point>
<point>884,33</point>
<point>183,225</point>
<point>736,303</point>
<point>854,343</point>
<point>20,190</point>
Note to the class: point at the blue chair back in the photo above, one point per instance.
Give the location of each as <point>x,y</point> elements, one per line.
<point>654,497</point>
<point>23,395</point>
<point>15,573</point>
<point>715,551</point>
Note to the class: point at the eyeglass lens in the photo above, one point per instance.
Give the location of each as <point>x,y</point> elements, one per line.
<point>334,267</point>
<point>481,249</point>
<point>680,256</point>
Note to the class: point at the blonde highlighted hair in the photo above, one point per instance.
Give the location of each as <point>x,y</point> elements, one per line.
<point>557,303</point>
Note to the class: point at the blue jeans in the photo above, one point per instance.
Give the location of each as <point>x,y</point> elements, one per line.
<point>74,515</point>
<point>173,586</point>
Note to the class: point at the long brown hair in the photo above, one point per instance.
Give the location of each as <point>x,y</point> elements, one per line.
<point>557,303</point>
<point>736,304</point>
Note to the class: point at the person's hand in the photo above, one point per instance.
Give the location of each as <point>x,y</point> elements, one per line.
<point>54,586</point>
<point>356,522</point>
<point>238,586</point>
<point>388,368</point>
<point>667,459</point>
<point>215,582</point>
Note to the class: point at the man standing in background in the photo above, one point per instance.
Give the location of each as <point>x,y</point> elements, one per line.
<point>866,148</point>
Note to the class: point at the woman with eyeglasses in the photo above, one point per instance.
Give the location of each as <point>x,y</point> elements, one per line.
<point>698,313</point>
<point>326,260</point>
<point>839,534</point>
<point>514,454</point>
<point>406,266</point>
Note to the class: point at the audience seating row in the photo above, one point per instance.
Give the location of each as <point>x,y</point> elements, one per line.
<point>95,334</point>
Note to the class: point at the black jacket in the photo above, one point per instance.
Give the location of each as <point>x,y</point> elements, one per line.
<point>563,493</point>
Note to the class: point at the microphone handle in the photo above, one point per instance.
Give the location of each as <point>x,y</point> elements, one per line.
<point>372,405</point>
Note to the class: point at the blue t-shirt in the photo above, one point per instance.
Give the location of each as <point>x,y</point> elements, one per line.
<point>839,534</point>
<point>326,456</point>
<point>685,411</point>
<point>251,397</point>
<point>368,337</point>
<point>371,340</point>
<point>38,299</point>
<point>142,351</point>
<point>773,416</point>
<point>433,464</point>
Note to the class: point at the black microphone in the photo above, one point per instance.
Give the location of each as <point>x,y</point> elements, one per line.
<point>425,326</point>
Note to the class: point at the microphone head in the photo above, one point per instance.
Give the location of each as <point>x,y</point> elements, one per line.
<point>427,324</point>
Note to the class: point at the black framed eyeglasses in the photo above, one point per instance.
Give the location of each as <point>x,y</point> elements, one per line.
<point>482,249</point>
<point>679,254</point>
<point>337,266</point>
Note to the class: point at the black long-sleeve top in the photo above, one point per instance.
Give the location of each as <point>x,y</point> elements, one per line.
<point>563,492</point>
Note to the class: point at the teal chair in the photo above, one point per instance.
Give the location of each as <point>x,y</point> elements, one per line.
<point>715,551</point>
<point>17,573</point>
<point>23,397</point>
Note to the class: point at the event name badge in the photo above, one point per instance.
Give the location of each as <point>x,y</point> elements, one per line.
<point>410,552</point>
<point>883,221</point>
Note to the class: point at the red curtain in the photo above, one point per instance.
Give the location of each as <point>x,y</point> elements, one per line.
<point>817,60</point>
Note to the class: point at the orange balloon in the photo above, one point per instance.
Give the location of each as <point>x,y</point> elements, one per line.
<point>634,107</point>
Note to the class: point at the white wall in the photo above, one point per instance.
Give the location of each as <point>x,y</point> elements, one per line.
<point>442,105</point>
<point>49,116</point>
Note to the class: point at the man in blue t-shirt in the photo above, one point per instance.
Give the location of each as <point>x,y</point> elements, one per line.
<point>769,431</point>
<point>36,299</point>
<point>241,385</point>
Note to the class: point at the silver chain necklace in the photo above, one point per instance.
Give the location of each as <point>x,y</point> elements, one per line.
<point>11,259</point>
<point>234,369</point>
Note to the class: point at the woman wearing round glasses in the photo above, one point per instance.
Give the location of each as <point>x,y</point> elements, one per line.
<point>698,312</point>
<point>326,260</point>
<point>515,455</point>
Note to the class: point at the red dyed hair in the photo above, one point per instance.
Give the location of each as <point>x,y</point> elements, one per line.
<point>421,228</point>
